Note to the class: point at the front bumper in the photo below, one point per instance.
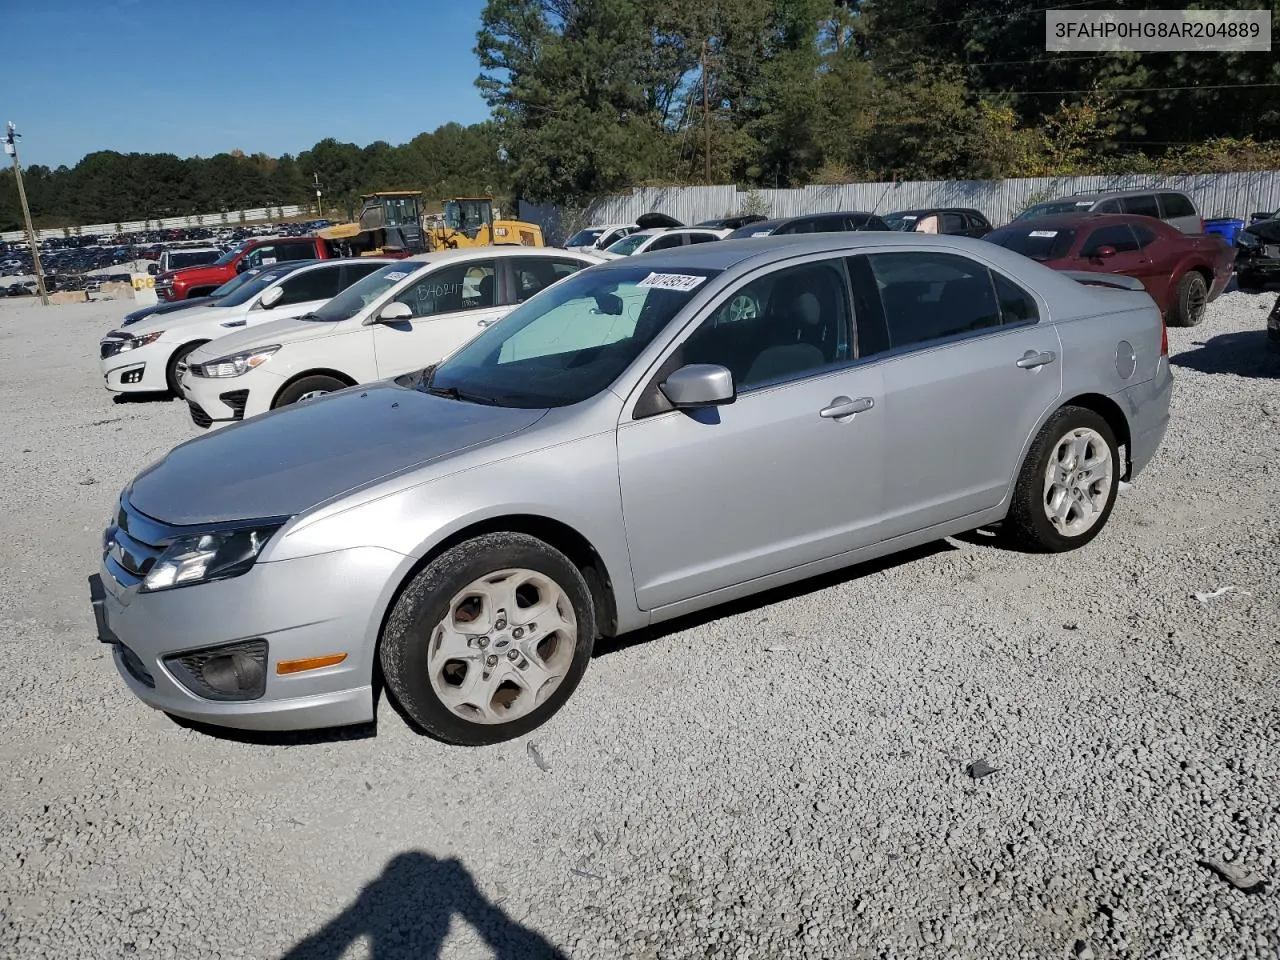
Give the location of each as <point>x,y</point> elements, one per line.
<point>136,371</point>
<point>217,401</point>
<point>307,607</point>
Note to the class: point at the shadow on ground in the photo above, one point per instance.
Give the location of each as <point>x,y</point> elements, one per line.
<point>1245,354</point>
<point>406,912</point>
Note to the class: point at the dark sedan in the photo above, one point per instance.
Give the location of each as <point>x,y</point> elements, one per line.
<point>1182,272</point>
<point>1258,254</point>
<point>811,223</point>
<point>952,221</point>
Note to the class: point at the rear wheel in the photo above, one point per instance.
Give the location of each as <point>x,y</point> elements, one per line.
<point>490,640</point>
<point>308,388</point>
<point>1068,483</point>
<point>171,371</point>
<point>1187,309</point>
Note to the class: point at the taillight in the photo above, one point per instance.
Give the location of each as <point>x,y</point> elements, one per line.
<point>1164,338</point>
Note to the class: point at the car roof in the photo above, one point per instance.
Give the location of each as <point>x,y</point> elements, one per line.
<point>488,252</point>
<point>1076,220</point>
<point>1110,194</point>
<point>923,210</point>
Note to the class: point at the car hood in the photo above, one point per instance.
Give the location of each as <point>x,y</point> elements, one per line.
<point>205,272</point>
<point>156,309</point>
<point>181,318</point>
<point>280,463</point>
<point>282,331</point>
<point>1266,230</point>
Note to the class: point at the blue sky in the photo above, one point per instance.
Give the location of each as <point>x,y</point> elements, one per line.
<point>187,77</point>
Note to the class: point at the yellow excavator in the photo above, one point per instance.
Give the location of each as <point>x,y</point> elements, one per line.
<point>389,225</point>
<point>473,222</point>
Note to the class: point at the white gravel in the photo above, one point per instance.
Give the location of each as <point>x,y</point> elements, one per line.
<point>783,779</point>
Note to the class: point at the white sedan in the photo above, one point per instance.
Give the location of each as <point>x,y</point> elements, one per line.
<point>146,357</point>
<point>401,318</point>
<point>642,241</point>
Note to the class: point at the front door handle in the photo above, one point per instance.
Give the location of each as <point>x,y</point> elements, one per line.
<point>1031,360</point>
<point>484,323</point>
<point>842,407</point>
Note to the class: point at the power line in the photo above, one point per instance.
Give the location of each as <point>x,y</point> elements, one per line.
<point>1104,91</point>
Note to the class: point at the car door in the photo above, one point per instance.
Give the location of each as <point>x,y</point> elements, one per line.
<point>1128,259</point>
<point>787,474</point>
<point>968,372</point>
<point>1159,257</point>
<point>448,307</point>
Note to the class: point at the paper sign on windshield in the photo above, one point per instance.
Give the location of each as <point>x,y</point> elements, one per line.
<point>671,281</point>
<point>397,275</point>
<point>1043,233</point>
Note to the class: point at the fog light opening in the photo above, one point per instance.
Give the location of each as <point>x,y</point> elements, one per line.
<point>132,376</point>
<point>233,673</point>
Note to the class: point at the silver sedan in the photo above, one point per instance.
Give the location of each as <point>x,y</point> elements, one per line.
<point>643,439</point>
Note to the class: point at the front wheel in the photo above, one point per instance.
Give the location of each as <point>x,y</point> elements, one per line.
<point>171,370</point>
<point>308,388</point>
<point>1067,487</point>
<point>489,640</point>
<point>1187,309</point>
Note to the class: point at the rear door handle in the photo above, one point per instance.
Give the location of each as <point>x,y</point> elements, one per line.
<point>844,407</point>
<point>1031,360</point>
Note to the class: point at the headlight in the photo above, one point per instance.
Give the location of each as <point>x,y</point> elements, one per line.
<point>208,556</point>
<point>237,363</point>
<point>134,343</point>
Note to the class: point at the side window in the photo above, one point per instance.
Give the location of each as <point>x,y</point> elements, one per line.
<point>1108,206</point>
<point>534,273</point>
<point>353,270</point>
<point>788,324</point>
<point>702,237</point>
<point>1118,236</point>
<point>309,285</point>
<point>458,286</point>
<point>1176,205</point>
<point>951,223</point>
<point>1016,305</point>
<point>927,224</point>
<point>931,296</point>
<point>978,222</point>
<point>297,251</point>
<point>1144,234</point>
<point>263,256</point>
<point>1143,205</point>
<point>667,242</point>
<point>797,226</point>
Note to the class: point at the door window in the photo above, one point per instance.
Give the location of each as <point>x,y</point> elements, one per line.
<point>702,237</point>
<point>319,284</point>
<point>1108,206</point>
<point>951,223</point>
<point>459,286</point>
<point>788,324</point>
<point>1144,204</point>
<point>1176,205</point>
<point>296,251</point>
<point>1118,236</point>
<point>932,296</point>
<point>1016,305</point>
<point>356,270</point>
<point>1146,236</point>
<point>263,256</point>
<point>667,242</point>
<point>534,273</point>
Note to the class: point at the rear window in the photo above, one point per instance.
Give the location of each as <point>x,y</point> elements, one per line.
<point>191,258</point>
<point>1038,243</point>
<point>1176,205</point>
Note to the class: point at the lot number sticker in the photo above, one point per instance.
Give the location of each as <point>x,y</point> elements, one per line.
<point>671,281</point>
<point>398,275</point>
<point>1043,233</point>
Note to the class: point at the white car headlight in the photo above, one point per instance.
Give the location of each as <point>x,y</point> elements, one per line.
<point>208,556</point>
<point>134,343</point>
<point>235,364</point>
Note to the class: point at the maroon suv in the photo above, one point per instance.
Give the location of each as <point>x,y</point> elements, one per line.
<point>198,281</point>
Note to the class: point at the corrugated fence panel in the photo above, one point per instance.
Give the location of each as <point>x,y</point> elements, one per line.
<point>230,219</point>
<point>1216,195</point>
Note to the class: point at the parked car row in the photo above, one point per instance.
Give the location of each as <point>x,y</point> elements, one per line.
<point>548,446</point>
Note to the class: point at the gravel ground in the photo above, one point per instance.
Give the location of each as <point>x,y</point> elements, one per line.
<point>786,778</point>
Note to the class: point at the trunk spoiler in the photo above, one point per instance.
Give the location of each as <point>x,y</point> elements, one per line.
<point>1119,281</point>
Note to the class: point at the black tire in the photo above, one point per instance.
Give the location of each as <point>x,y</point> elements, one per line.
<point>318,383</point>
<point>1028,525</point>
<point>1188,307</point>
<point>424,603</point>
<point>171,371</point>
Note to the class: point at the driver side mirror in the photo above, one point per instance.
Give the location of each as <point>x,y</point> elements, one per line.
<point>271,298</point>
<point>699,385</point>
<point>1103,253</point>
<point>153,269</point>
<point>395,311</point>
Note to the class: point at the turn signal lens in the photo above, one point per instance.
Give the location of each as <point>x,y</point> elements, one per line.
<point>309,663</point>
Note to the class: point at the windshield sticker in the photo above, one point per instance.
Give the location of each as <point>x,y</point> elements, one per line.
<point>267,261</point>
<point>1084,203</point>
<point>1043,233</point>
<point>910,216</point>
<point>761,233</point>
<point>396,275</point>
<point>671,281</point>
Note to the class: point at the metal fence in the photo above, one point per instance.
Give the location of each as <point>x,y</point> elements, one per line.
<point>232,218</point>
<point>1216,195</point>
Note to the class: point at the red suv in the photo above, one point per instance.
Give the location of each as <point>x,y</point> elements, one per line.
<point>1182,272</point>
<point>198,281</point>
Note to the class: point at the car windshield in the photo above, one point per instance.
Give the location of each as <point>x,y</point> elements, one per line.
<point>1038,243</point>
<point>569,342</point>
<point>584,238</point>
<point>362,293</point>
<point>1052,207</point>
<point>235,283</point>
<point>906,222</point>
<point>246,292</point>
<point>627,245</point>
<point>230,255</point>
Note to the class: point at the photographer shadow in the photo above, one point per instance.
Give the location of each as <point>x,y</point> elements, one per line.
<point>406,913</point>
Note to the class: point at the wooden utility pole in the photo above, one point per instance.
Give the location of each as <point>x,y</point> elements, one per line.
<point>706,116</point>
<point>11,148</point>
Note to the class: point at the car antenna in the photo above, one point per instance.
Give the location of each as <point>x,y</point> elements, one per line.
<point>889,186</point>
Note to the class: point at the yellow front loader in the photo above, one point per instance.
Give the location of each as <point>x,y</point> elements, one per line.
<point>473,222</point>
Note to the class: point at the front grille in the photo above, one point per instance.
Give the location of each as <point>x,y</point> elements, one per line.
<point>134,665</point>
<point>133,544</point>
<point>198,416</point>
<point>236,400</point>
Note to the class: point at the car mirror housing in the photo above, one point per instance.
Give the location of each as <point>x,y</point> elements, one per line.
<point>395,311</point>
<point>699,385</point>
<point>271,298</point>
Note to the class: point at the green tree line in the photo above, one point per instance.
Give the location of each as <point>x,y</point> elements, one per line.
<point>592,96</point>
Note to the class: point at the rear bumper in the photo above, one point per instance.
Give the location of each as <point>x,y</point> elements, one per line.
<point>1146,407</point>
